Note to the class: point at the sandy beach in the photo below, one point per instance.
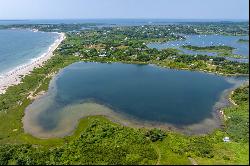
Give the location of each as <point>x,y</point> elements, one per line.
<point>13,77</point>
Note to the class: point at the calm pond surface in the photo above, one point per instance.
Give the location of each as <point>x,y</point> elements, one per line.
<point>208,40</point>
<point>140,93</point>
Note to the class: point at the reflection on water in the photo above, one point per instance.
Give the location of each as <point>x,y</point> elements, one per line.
<point>136,95</point>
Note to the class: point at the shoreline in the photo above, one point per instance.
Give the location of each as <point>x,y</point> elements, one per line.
<point>14,76</point>
<point>205,126</point>
<point>167,67</point>
<point>231,100</point>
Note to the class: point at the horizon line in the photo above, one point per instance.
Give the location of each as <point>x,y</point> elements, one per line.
<point>23,19</point>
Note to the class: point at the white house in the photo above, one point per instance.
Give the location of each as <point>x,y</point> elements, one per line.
<point>102,55</point>
<point>226,139</point>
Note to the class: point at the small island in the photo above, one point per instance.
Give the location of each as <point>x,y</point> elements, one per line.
<point>225,51</point>
<point>243,41</point>
<point>217,49</point>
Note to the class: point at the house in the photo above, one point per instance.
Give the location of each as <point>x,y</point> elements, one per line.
<point>226,139</point>
<point>77,54</point>
<point>102,55</point>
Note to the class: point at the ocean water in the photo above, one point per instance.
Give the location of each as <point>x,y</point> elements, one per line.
<point>18,47</point>
<point>143,92</point>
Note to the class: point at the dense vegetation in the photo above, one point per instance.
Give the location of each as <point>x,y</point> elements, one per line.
<point>238,117</point>
<point>100,143</point>
<point>129,44</point>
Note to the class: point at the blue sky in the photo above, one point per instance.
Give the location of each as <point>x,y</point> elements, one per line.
<point>171,9</point>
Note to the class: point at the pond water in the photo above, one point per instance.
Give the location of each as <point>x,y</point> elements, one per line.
<point>128,93</point>
<point>208,40</point>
